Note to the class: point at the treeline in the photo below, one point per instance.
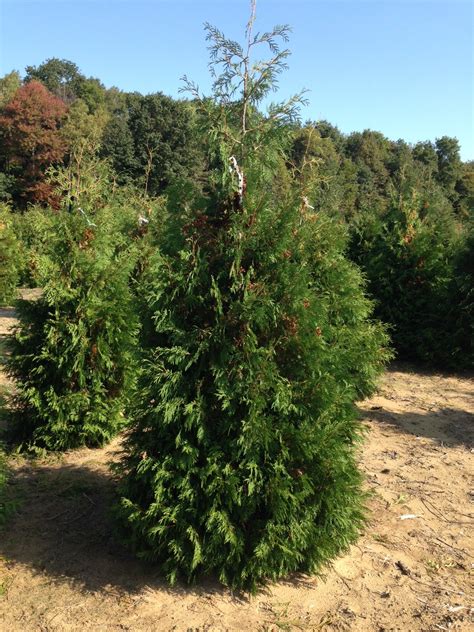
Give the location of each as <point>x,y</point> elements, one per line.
<point>150,140</point>
<point>56,111</point>
<point>407,208</point>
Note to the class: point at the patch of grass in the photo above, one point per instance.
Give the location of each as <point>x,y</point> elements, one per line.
<point>381,538</point>
<point>287,622</point>
<point>435,566</point>
<point>4,586</point>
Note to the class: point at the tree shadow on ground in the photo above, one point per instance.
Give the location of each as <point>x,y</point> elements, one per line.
<point>449,426</point>
<point>64,529</point>
<point>427,370</point>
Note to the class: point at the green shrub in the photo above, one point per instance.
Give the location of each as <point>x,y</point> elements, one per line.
<point>35,229</point>
<point>460,313</point>
<point>73,351</point>
<point>416,258</point>
<point>241,457</point>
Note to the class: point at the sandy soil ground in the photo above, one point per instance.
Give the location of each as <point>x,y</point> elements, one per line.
<point>62,570</point>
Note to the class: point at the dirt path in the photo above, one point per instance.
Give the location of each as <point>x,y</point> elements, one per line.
<point>62,570</point>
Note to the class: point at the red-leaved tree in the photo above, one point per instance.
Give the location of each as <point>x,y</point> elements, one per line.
<point>29,128</point>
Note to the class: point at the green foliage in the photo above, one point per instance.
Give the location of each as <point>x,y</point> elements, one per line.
<point>465,190</point>
<point>150,140</point>
<point>459,343</point>
<point>73,351</point>
<point>35,230</point>
<point>410,256</point>
<point>9,84</point>
<point>64,79</point>
<point>449,165</point>
<point>7,184</point>
<point>241,457</point>
<point>9,257</point>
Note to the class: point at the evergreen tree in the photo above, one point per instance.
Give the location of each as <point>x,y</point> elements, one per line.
<point>73,351</point>
<point>416,258</point>
<point>151,141</point>
<point>457,349</point>
<point>241,459</point>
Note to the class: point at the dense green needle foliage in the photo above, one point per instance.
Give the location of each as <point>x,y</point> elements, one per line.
<point>241,458</point>
<point>73,351</point>
<point>9,257</point>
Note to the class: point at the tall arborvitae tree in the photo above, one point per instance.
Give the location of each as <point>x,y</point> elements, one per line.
<point>241,459</point>
<point>73,351</point>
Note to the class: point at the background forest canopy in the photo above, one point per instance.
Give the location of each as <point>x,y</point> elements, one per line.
<point>65,140</point>
<point>151,140</point>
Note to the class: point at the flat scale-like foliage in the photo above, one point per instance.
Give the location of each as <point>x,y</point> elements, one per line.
<point>241,458</point>
<point>72,353</point>
<point>418,261</point>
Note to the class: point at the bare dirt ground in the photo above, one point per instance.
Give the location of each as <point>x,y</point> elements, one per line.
<point>62,569</point>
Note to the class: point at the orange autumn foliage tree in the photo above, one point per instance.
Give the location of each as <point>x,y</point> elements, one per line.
<point>29,128</point>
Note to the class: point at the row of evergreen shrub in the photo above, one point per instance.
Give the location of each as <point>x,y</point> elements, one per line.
<point>256,340</point>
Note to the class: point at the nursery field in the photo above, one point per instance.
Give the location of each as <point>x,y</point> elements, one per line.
<point>62,570</point>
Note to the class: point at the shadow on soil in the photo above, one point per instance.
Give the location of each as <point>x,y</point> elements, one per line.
<point>449,426</point>
<point>63,529</point>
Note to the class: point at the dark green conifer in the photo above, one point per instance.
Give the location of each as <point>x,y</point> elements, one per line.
<point>241,459</point>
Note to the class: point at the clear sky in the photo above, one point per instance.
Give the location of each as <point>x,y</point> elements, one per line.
<point>402,67</point>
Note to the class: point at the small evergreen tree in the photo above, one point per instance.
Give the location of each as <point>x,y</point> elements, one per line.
<point>241,459</point>
<point>416,258</point>
<point>72,354</point>
<point>9,257</point>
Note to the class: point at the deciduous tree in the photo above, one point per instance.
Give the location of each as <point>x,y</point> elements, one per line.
<point>30,127</point>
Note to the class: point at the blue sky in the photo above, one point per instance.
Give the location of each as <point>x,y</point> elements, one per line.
<point>403,67</point>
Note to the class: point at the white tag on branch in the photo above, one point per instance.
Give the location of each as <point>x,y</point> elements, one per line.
<point>306,203</point>
<point>235,167</point>
<point>408,516</point>
<point>89,223</point>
